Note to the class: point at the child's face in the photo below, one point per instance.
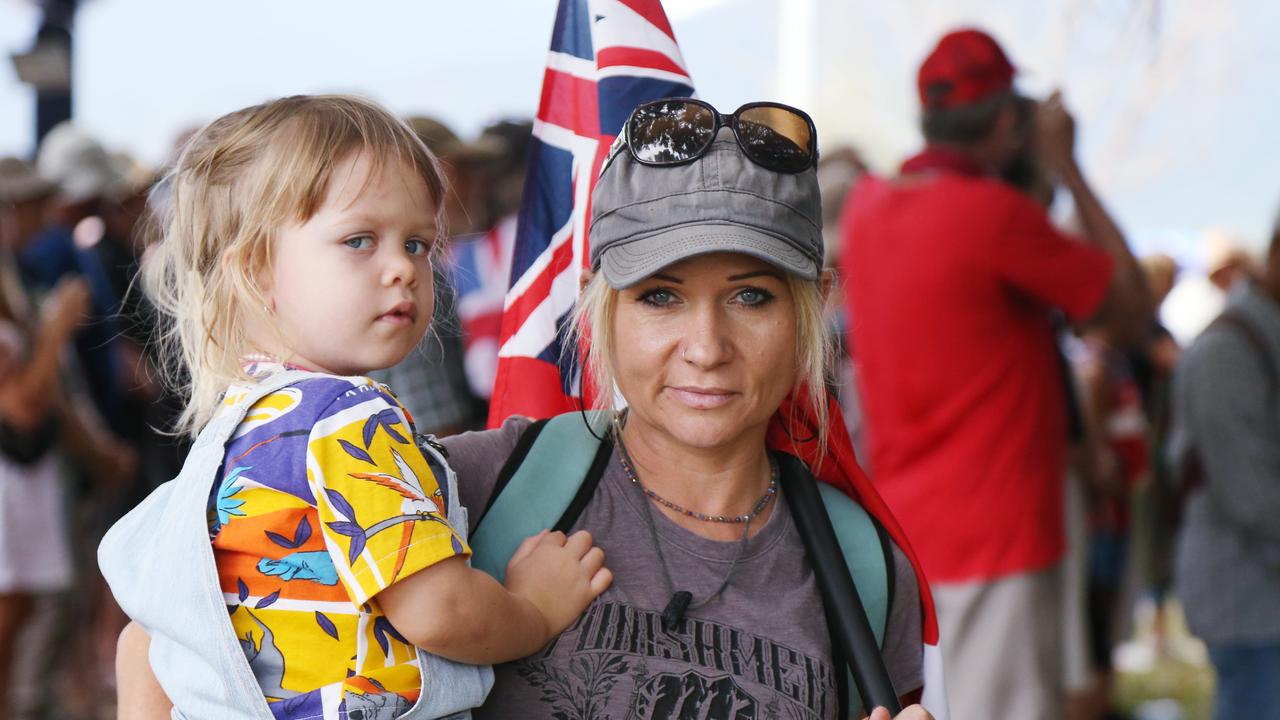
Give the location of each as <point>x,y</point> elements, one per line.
<point>351,288</point>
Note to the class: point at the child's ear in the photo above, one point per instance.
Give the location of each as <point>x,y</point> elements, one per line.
<point>234,262</point>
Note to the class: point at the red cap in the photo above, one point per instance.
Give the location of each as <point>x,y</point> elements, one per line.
<point>966,66</point>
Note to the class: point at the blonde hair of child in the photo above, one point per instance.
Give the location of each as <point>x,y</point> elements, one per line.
<point>236,183</point>
<point>596,312</point>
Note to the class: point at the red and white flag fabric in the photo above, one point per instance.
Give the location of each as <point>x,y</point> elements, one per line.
<point>479,267</point>
<point>607,57</point>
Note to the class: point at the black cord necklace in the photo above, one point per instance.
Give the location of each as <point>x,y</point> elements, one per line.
<point>682,600</point>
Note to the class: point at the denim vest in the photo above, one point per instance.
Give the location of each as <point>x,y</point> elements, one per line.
<point>159,562</point>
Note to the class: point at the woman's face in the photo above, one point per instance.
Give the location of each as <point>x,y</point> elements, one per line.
<point>705,349</point>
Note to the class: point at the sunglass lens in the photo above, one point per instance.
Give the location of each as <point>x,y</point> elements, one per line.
<point>670,132</point>
<point>776,138</point>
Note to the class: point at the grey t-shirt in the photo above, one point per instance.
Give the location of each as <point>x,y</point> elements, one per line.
<point>758,650</point>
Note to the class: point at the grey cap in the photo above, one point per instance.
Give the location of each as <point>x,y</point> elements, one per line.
<point>645,218</point>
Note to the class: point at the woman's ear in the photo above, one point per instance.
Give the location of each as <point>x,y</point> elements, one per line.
<point>826,282</point>
<point>584,279</point>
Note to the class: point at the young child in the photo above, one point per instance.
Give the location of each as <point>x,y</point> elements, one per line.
<point>310,560</point>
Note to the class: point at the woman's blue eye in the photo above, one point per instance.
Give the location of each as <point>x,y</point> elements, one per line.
<point>417,247</point>
<point>359,242</point>
<point>754,296</point>
<point>658,297</point>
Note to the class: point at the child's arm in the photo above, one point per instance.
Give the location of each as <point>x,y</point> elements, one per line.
<point>139,695</point>
<point>447,609</point>
<point>454,611</point>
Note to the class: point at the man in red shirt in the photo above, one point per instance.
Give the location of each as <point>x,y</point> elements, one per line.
<point>951,276</point>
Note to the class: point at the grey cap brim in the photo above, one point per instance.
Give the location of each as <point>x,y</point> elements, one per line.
<point>628,262</point>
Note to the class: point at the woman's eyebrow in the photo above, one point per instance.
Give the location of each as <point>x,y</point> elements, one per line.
<point>667,278</point>
<point>757,273</point>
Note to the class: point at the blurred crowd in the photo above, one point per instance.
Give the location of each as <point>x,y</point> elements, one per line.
<point>84,413</point>
<point>1020,395</point>
<point>87,409</point>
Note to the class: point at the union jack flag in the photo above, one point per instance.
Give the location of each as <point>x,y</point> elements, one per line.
<point>607,56</point>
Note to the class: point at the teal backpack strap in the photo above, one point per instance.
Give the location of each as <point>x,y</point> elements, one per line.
<point>548,489</point>
<point>867,555</point>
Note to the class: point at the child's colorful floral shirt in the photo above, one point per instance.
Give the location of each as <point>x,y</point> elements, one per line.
<point>324,500</point>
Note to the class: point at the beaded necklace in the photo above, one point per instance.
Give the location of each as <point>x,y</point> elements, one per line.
<point>682,600</point>
<point>745,518</point>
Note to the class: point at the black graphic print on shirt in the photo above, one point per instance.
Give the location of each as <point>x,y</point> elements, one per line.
<point>618,663</point>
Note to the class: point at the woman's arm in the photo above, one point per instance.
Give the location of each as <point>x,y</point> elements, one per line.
<point>902,649</point>
<point>26,395</point>
<point>139,695</point>
<point>87,439</point>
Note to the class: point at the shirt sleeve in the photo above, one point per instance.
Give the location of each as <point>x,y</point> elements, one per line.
<point>1034,257</point>
<point>381,508</point>
<point>477,458</point>
<point>1230,424</point>
<point>903,647</point>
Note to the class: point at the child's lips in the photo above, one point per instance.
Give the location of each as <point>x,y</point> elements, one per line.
<point>405,313</point>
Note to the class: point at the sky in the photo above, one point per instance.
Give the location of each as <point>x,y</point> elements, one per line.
<point>1171,96</point>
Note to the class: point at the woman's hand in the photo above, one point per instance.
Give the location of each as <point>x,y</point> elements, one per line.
<point>559,575</point>
<point>10,349</point>
<point>66,307</point>
<point>915,712</point>
<point>115,463</point>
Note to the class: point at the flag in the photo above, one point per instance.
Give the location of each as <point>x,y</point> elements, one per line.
<point>607,56</point>
<point>794,430</point>
<point>479,268</point>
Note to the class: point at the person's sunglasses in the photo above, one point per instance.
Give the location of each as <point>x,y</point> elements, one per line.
<point>674,131</point>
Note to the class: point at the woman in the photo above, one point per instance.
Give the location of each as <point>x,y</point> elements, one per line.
<point>705,312</point>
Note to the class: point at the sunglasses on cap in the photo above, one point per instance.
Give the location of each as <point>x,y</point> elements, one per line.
<point>675,131</point>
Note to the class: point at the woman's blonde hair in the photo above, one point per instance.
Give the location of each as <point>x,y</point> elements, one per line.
<point>592,327</point>
<point>236,183</point>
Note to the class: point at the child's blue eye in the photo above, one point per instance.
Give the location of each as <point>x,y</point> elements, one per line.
<point>360,242</point>
<point>417,247</point>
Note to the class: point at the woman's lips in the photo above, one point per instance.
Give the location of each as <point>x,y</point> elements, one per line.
<point>701,398</point>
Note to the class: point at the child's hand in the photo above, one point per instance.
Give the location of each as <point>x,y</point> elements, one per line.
<point>559,575</point>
